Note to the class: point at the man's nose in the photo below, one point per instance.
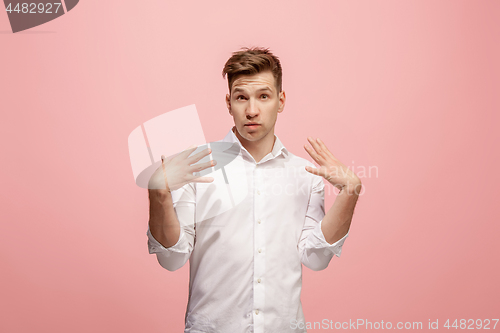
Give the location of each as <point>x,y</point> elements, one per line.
<point>252,109</point>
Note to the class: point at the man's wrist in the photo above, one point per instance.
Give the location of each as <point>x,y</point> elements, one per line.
<point>352,188</point>
<point>160,195</point>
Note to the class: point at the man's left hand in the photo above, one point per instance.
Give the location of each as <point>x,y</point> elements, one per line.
<point>330,168</point>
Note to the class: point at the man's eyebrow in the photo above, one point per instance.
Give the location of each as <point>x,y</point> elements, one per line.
<point>261,89</point>
<point>235,90</point>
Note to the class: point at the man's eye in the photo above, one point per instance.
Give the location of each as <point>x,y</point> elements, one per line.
<point>266,96</point>
<point>240,96</point>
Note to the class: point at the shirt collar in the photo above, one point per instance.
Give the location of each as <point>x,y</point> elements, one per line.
<point>278,148</point>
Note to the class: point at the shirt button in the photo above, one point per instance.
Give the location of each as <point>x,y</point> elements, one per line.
<point>258,221</point>
<point>260,250</point>
<point>258,280</point>
<point>258,192</point>
<point>257,312</point>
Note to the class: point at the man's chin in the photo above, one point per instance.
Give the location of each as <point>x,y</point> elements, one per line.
<point>252,138</point>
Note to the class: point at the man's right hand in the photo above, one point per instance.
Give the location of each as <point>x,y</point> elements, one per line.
<point>178,171</point>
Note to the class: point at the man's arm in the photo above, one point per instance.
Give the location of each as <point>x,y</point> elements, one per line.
<point>337,220</point>
<point>335,224</point>
<point>315,252</point>
<point>171,230</point>
<point>163,222</point>
<point>171,214</point>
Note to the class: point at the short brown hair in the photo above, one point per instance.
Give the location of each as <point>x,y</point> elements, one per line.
<point>250,61</point>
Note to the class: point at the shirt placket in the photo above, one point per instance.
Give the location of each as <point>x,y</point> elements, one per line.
<point>259,250</point>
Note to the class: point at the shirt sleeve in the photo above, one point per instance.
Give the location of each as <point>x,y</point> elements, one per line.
<point>175,256</point>
<point>315,251</point>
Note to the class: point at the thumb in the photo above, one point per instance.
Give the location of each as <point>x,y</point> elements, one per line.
<point>314,171</point>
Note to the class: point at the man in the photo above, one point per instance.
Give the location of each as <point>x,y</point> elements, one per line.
<point>246,260</point>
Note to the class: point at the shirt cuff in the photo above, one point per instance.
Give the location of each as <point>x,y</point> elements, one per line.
<point>155,247</point>
<point>318,241</point>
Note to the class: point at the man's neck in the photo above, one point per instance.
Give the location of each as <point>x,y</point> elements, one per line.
<point>258,149</point>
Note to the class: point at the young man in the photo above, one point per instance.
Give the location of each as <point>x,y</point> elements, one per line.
<point>246,260</point>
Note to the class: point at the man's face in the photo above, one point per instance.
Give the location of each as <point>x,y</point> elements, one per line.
<point>254,99</point>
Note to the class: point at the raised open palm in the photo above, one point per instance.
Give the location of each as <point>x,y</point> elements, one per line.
<point>330,168</point>
<point>179,170</point>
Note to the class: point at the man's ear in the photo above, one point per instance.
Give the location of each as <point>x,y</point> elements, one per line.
<point>282,97</point>
<point>228,103</point>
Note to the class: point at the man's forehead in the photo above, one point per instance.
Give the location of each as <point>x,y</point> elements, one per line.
<point>260,81</point>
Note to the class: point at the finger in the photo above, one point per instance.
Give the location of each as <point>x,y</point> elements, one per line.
<point>188,151</point>
<point>202,180</point>
<point>312,153</point>
<point>312,170</point>
<point>195,158</point>
<point>181,156</point>
<point>202,166</point>
<point>315,145</point>
<point>325,149</point>
<point>318,172</point>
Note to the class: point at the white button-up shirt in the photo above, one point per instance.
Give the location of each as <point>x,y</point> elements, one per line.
<point>246,236</point>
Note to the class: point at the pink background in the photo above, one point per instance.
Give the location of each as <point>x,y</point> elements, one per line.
<point>411,87</point>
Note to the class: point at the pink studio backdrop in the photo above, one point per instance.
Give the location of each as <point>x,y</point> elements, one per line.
<point>409,88</point>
